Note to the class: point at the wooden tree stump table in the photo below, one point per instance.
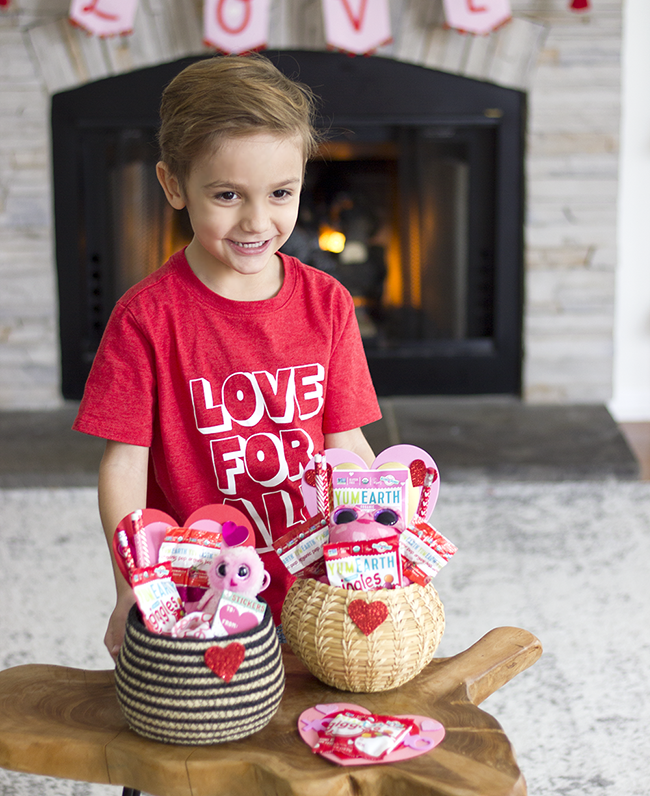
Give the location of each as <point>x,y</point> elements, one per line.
<point>65,722</point>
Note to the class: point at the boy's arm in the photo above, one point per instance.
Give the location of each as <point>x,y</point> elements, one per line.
<point>122,489</point>
<point>352,440</point>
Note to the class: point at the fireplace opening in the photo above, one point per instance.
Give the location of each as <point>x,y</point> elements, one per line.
<point>413,203</point>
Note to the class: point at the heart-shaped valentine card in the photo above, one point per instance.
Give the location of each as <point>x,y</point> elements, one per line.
<point>430,734</point>
<point>217,518</point>
<point>397,457</point>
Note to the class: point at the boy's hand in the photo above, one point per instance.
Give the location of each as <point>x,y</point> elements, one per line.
<point>122,489</point>
<point>352,440</point>
<point>117,623</point>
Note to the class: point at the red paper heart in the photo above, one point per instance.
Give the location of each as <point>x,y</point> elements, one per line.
<point>367,616</point>
<point>310,475</point>
<point>225,661</point>
<point>418,470</point>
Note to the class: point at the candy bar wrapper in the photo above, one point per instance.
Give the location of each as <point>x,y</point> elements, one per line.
<point>301,548</point>
<point>190,552</point>
<point>414,574</point>
<point>367,489</point>
<point>422,545</point>
<point>236,613</point>
<point>366,736</point>
<point>364,566</point>
<point>157,597</point>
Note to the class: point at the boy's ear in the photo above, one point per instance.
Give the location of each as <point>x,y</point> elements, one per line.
<point>170,186</point>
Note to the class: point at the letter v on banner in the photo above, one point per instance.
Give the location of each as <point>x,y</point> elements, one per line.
<point>356,26</point>
<point>236,26</point>
<point>104,17</point>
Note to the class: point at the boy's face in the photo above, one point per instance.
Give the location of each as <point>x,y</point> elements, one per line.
<point>243,204</point>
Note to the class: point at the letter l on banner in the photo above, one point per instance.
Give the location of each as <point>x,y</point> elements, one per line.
<point>356,26</point>
<point>104,17</point>
<point>236,26</point>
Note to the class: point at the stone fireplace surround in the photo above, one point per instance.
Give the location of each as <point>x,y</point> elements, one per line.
<point>568,64</point>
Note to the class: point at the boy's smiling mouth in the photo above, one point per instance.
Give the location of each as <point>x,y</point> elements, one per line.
<point>252,246</point>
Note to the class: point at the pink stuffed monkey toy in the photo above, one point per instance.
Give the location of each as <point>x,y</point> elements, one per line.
<point>237,569</point>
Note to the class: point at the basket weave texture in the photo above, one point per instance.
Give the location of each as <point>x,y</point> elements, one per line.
<point>168,693</point>
<point>319,629</point>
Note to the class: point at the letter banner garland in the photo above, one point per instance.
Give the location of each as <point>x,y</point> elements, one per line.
<point>239,26</point>
<point>354,26</point>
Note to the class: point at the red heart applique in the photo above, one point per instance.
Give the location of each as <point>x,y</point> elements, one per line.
<point>367,616</point>
<point>310,475</point>
<point>225,661</point>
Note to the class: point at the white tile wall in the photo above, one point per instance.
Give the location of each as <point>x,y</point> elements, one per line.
<point>570,64</point>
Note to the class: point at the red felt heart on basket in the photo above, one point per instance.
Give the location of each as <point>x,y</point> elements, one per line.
<point>225,661</point>
<point>367,616</point>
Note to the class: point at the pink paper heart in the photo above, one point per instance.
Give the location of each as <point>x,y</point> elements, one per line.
<point>235,622</point>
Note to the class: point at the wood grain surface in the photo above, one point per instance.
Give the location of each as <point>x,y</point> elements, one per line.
<point>65,722</point>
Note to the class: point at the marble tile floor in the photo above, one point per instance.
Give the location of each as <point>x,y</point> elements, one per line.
<point>565,559</point>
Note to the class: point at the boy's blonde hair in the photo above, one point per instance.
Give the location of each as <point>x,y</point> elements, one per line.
<point>230,96</point>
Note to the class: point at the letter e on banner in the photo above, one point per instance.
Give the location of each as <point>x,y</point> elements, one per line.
<point>104,17</point>
<point>236,26</point>
<point>477,16</point>
<point>356,26</point>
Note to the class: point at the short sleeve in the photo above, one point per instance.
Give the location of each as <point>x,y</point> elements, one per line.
<point>120,394</point>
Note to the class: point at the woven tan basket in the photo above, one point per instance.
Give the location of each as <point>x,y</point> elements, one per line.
<point>321,632</point>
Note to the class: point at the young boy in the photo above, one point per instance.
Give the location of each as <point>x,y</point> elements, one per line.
<point>221,374</point>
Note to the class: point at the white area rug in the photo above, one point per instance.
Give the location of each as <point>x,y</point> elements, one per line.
<point>566,561</point>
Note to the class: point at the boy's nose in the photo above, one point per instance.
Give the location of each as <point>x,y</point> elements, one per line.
<point>255,219</point>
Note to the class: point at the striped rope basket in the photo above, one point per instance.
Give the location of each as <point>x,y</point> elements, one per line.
<point>199,691</point>
<point>349,641</point>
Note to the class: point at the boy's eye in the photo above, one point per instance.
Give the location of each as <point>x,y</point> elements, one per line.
<point>227,196</point>
<point>281,193</point>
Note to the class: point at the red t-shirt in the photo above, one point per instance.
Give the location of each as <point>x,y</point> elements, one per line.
<point>232,398</point>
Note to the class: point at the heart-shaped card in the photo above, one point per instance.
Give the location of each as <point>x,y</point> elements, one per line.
<point>397,457</point>
<point>430,734</point>
<point>209,518</point>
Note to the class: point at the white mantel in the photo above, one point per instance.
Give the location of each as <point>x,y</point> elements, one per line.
<point>568,63</point>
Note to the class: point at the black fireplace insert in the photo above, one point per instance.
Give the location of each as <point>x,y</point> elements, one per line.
<point>415,203</point>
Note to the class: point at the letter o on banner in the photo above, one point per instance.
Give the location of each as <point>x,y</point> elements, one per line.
<point>236,26</point>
